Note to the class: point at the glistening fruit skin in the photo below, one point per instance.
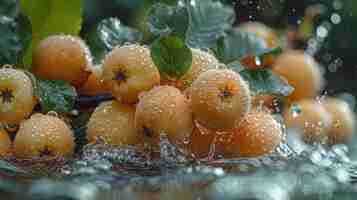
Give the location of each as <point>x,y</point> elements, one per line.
<point>310,118</point>
<point>62,57</point>
<point>43,136</point>
<point>201,62</point>
<point>220,98</point>
<point>5,143</point>
<point>129,70</point>
<point>16,96</point>
<point>302,72</point>
<point>113,122</point>
<point>164,110</point>
<point>258,134</point>
<point>205,143</point>
<point>94,85</point>
<point>343,120</point>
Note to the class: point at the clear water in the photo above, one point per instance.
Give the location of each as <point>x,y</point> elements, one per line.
<point>295,171</point>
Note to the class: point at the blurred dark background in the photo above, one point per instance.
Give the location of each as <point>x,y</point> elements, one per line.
<point>336,50</point>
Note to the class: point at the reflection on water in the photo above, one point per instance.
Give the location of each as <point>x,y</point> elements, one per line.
<point>295,171</point>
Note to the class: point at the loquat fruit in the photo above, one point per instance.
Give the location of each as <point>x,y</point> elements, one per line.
<point>129,70</point>
<point>113,122</point>
<point>43,136</point>
<point>310,118</point>
<point>94,85</point>
<point>164,110</point>
<point>220,98</point>
<point>5,143</point>
<point>343,120</point>
<point>16,96</point>
<point>62,57</point>
<point>258,134</point>
<point>302,72</point>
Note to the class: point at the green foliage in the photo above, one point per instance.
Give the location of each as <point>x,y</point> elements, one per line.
<point>10,43</point>
<point>236,45</point>
<point>49,17</point>
<point>8,8</point>
<point>164,19</point>
<point>108,34</point>
<point>56,96</point>
<point>263,81</point>
<point>200,23</point>
<point>172,56</point>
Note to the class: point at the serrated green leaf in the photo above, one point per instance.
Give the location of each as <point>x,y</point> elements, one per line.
<point>236,45</point>
<point>165,19</point>
<point>209,19</point>
<point>49,17</point>
<point>172,56</point>
<point>56,96</point>
<point>264,81</point>
<point>108,34</point>
<point>10,43</point>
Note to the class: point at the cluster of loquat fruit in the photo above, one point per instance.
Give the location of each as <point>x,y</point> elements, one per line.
<point>209,110</point>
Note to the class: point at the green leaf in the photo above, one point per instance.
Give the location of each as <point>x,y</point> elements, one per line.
<point>10,43</point>
<point>199,23</point>
<point>56,96</point>
<point>172,56</point>
<point>263,81</point>
<point>165,19</point>
<point>79,126</point>
<point>236,45</point>
<point>209,19</point>
<point>50,17</point>
<point>8,8</point>
<point>108,34</point>
<point>24,32</point>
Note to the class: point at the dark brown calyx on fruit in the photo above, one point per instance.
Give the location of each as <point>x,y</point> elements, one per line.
<point>120,77</point>
<point>229,90</point>
<point>46,152</point>
<point>6,96</point>
<point>147,132</point>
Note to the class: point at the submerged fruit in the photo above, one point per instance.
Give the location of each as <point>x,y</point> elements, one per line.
<point>43,136</point>
<point>5,143</point>
<point>343,121</point>
<point>113,122</point>
<point>205,143</point>
<point>302,72</point>
<point>62,57</point>
<point>164,110</point>
<point>16,96</point>
<point>220,98</point>
<point>257,134</point>
<point>310,118</point>
<point>129,70</point>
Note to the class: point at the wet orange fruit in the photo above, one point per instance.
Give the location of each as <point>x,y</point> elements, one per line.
<point>62,57</point>
<point>220,98</point>
<point>310,118</point>
<point>257,134</point>
<point>43,136</point>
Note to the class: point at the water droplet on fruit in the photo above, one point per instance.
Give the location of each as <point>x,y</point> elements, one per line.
<point>52,113</point>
